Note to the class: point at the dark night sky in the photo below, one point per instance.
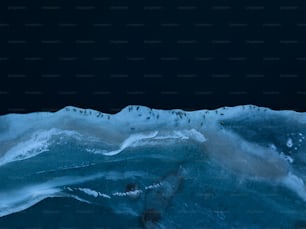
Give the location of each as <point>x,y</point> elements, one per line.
<point>191,54</point>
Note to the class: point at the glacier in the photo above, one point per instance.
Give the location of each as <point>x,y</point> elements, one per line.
<point>232,167</point>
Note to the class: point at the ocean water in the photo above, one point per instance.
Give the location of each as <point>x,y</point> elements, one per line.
<point>234,167</point>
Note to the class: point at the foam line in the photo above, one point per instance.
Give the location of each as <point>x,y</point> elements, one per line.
<point>134,138</point>
<point>38,143</point>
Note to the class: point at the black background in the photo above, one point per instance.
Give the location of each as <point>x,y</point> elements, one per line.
<point>190,54</point>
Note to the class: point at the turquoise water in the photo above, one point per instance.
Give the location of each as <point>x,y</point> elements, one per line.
<point>241,167</point>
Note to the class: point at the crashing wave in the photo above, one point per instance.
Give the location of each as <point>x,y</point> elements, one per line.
<point>145,162</point>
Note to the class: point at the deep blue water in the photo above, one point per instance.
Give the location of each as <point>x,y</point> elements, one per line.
<point>240,167</point>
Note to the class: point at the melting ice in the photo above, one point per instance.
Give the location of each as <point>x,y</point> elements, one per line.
<point>242,166</point>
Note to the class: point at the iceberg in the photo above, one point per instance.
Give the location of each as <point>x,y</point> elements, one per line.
<point>242,166</point>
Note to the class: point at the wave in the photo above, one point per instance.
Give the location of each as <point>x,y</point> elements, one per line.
<point>296,184</point>
<point>134,138</point>
<point>35,144</point>
<point>156,138</point>
<point>140,160</point>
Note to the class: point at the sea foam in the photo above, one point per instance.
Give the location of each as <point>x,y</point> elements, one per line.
<point>165,154</point>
